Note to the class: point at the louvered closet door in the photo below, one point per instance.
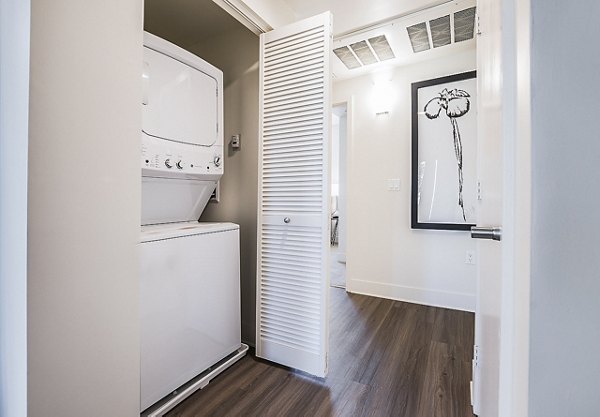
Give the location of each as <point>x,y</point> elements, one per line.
<point>293,224</point>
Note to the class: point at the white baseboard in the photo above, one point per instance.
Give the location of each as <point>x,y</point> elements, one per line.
<point>435,298</point>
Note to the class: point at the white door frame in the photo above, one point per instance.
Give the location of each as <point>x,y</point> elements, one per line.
<point>514,335</point>
<point>515,96</point>
<point>348,101</point>
<point>15,18</point>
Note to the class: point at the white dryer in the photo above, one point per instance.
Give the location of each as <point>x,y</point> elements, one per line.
<point>189,283</point>
<point>182,134</point>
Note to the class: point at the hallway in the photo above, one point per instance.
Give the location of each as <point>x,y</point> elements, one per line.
<point>388,358</point>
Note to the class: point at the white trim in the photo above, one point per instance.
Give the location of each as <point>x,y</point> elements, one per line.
<point>349,103</point>
<point>434,298</point>
<point>15,29</point>
<point>514,334</point>
<point>244,15</point>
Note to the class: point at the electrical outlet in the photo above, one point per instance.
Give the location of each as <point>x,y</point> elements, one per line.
<point>470,257</point>
<point>393,184</point>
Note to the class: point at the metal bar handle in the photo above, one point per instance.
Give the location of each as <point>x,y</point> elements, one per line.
<point>492,233</point>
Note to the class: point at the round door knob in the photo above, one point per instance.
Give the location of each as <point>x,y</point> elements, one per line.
<point>168,163</point>
<point>179,164</point>
<point>287,220</point>
<point>217,160</point>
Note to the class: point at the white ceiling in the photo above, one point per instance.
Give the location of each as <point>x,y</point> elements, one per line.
<point>349,15</point>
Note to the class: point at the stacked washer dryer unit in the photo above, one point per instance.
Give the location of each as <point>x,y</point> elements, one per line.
<point>190,294</point>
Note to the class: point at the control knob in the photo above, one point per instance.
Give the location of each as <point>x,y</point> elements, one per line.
<point>168,163</point>
<point>217,160</point>
<point>179,164</point>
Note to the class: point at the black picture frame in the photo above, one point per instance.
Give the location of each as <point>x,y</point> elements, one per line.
<point>415,224</point>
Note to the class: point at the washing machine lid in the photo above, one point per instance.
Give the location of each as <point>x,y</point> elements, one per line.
<point>180,102</point>
<point>158,232</point>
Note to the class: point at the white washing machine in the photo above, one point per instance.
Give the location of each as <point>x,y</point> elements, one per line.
<point>190,279</point>
<point>190,303</point>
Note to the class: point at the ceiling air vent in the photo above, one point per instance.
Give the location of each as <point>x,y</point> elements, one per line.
<point>464,24</point>
<point>419,38</point>
<point>438,32</point>
<point>382,48</point>
<point>364,53</point>
<point>347,57</point>
<point>367,52</point>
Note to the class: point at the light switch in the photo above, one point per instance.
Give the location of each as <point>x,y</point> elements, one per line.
<point>236,141</point>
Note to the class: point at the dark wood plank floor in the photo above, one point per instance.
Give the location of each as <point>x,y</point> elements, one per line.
<point>387,358</point>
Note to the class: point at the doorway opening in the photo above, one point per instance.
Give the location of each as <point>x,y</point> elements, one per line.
<point>337,246</point>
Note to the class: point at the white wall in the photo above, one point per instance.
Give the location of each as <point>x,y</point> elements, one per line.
<point>14,107</point>
<point>565,264</point>
<point>84,208</point>
<point>384,256</point>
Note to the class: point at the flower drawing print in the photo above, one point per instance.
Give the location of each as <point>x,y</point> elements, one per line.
<point>455,103</point>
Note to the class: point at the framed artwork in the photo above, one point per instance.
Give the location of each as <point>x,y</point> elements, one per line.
<point>444,153</point>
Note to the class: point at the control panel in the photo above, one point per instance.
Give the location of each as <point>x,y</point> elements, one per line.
<point>172,159</point>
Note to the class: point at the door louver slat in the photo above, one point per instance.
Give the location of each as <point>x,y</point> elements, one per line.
<point>289,153</point>
<point>293,43</point>
<point>284,159</point>
<point>275,120</point>
<point>275,142</point>
<point>294,63</point>
<point>306,48</point>
<point>276,44</point>
<point>302,73</point>
<point>299,85</point>
<point>293,70</point>
<point>291,104</point>
<point>305,92</point>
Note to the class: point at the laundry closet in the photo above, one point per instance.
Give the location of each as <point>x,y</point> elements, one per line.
<point>200,92</point>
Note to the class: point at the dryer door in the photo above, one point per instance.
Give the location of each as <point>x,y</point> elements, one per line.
<point>180,102</point>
